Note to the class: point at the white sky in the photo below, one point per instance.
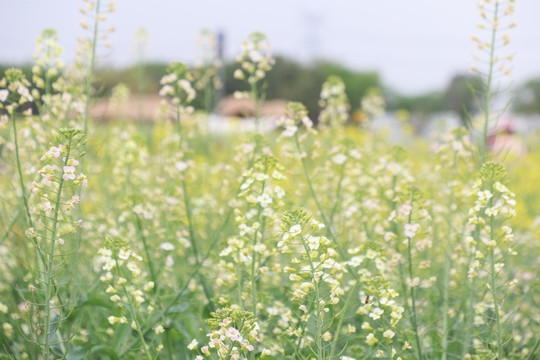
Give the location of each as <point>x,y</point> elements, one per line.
<point>416,45</point>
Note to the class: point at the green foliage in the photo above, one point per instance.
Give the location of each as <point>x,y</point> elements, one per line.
<point>527,100</point>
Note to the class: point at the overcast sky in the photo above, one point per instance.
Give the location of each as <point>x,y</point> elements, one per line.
<point>416,45</point>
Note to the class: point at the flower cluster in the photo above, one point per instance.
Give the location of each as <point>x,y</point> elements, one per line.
<point>496,17</point>
<point>373,103</point>
<point>59,175</point>
<point>177,85</point>
<point>493,205</point>
<point>259,200</point>
<point>47,57</point>
<point>255,59</point>
<point>97,12</point>
<point>126,285</point>
<point>315,275</point>
<point>14,91</point>
<point>381,313</point>
<point>207,70</point>
<point>334,102</point>
<point>318,258</point>
<point>233,336</point>
<point>294,114</point>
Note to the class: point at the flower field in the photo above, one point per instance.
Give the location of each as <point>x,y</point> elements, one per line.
<point>320,240</point>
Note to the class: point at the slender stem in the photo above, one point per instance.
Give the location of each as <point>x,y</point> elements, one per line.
<point>19,169</point>
<point>414,320</point>
<point>192,239</point>
<point>467,339</point>
<point>91,70</point>
<point>316,198</point>
<point>318,337</point>
<point>39,253</point>
<point>338,193</point>
<point>340,322</point>
<point>217,235</point>
<point>489,94</point>
<point>255,96</point>
<point>530,357</point>
<point>254,254</point>
<point>493,283</point>
<point>340,250</point>
<point>88,92</point>
<point>50,259</point>
<point>447,264</point>
<point>147,251</point>
<point>131,309</point>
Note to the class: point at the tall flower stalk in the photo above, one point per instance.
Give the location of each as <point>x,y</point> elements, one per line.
<point>14,92</point>
<point>495,16</point>
<point>176,85</point>
<point>255,61</point>
<point>51,230</point>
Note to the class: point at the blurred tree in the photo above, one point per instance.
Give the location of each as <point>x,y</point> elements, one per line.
<point>420,105</point>
<point>294,81</point>
<point>458,96</point>
<point>527,99</point>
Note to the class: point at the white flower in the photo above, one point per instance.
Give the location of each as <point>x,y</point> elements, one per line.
<point>376,313</point>
<point>186,86</point>
<point>289,131</point>
<point>255,56</point>
<point>69,173</point>
<point>295,230</point>
<point>166,246</point>
<point>313,242</point>
<point>265,200</point>
<point>411,229</point>
<point>166,90</point>
<point>239,74</point>
<point>279,192</point>
<point>168,79</point>
<point>83,179</point>
<point>193,344</point>
<point>180,166</point>
<point>339,159</point>
<point>389,334</point>
<point>3,95</point>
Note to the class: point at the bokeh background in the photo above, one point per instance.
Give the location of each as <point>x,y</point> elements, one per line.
<point>418,52</point>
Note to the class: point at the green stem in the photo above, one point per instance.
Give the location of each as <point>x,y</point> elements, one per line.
<point>255,96</point>
<point>530,357</point>
<point>318,328</point>
<point>192,239</point>
<point>19,169</point>
<point>88,91</point>
<point>338,193</point>
<point>447,264</point>
<point>40,255</point>
<point>50,259</point>
<point>217,235</point>
<point>147,251</point>
<point>254,254</point>
<point>340,322</point>
<point>489,94</point>
<point>414,320</point>
<point>131,309</point>
<point>493,283</point>
<point>467,339</point>
<point>316,198</point>
<point>91,70</point>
